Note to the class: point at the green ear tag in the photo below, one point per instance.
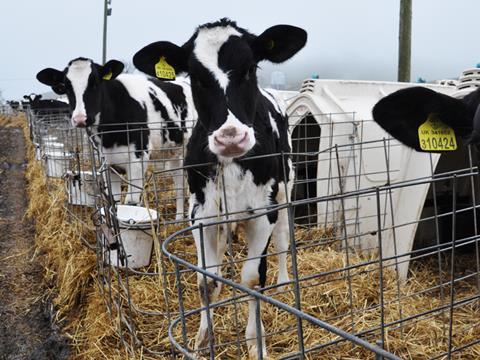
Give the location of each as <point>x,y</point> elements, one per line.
<point>108,75</point>
<point>434,135</point>
<point>164,70</point>
<point>270,44</point>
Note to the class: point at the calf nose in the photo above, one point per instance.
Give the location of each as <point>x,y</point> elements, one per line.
<point>79,120</point>
<point>231,136</point>
<point>229,131</point>
<point>231,141</point>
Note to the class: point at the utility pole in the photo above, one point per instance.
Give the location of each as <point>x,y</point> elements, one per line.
<point>405,40</point>
<point>107,11</point>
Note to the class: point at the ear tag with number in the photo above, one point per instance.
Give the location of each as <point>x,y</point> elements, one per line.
<point>164,70</point>
<point>434,135</point>
<point>108,75</point>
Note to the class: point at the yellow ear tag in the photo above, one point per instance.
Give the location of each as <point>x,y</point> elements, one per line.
<point>164,70</point>
<point>108,75</point>
<point>434,135</point>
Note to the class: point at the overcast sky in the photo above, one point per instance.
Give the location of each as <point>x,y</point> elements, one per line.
<point>347,39</point>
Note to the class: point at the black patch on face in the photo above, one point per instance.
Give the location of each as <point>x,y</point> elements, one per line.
<point>235,58</point>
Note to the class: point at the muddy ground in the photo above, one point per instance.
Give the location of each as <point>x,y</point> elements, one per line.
<point>26,330</point>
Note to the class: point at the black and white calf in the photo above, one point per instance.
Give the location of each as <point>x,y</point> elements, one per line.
<point>237,120</point>
<point>134,116</point>
<point>36,103</point>
<point>404,111</point>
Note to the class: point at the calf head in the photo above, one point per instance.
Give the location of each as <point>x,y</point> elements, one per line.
<point>32,99</point>
<point>81,81</point>
<point>221,59</point>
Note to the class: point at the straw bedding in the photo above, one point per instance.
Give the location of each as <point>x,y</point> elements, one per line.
<point>82,301</point>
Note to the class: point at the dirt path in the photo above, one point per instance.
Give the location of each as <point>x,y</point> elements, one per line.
<point>25,321</point>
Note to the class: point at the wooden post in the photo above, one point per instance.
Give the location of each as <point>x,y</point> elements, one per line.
<point>405,41</point>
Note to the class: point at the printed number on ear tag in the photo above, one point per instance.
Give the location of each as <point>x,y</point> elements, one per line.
<point>108,75</point>
<point>434,135</point>
<point>164,70</point>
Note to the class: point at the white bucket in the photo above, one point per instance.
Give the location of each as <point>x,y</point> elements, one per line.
<point>81,188</point>
<point>136,232</point>
<point>56,163</point>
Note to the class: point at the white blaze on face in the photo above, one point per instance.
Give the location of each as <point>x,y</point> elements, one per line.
<point>78,74</point>
<point>207,47</point>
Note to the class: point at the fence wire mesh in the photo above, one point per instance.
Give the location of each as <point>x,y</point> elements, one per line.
<point>383,252</point>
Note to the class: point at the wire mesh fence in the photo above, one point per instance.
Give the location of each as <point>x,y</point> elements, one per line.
<point>383,255</point>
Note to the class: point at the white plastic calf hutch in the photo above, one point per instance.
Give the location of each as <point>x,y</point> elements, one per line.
<point>355,153</point>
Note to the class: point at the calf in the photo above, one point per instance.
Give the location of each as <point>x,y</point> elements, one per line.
<point>403,112</point>
<point>35,102</point>
<point>14,105</point>
<point>134,116</point>
<point>237,120</point>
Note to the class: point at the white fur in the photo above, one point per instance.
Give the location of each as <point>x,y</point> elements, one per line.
<point>78,73</point>
<point>207,46</point>
<point>124,156</point>
<point>273,123</point>
<point>241,128</point>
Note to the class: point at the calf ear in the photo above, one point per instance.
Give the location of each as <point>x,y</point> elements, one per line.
<point>51,77</point>
<point>111,69</point>
<point>279,43</point>
<point>162,60</point>
<point>402,112</point>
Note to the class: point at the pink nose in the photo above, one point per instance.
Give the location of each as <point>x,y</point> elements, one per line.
<point>79,120</point>
<point>231,140</point>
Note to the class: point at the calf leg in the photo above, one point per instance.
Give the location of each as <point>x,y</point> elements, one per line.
<point>135,175</point>
<point>280,238</point>
<point>178,181</point>
<point>254,270</point>
<point>210,247</point>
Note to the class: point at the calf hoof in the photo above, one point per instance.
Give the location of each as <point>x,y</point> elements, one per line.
<point>179,217</point>
<point>202,341</point>
<point>282,283</point>
<point>253,352</point>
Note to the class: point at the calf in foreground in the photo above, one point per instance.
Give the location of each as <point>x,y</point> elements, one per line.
<point>134,115</point>
<point>237,121</point>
